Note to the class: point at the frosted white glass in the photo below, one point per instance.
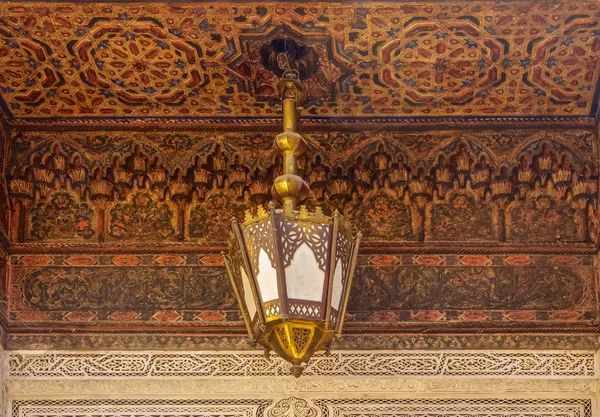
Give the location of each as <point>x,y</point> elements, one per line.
<point>336,294</point>
<point>267,278</point>
<point>248,297</point>
<point>303,277</point>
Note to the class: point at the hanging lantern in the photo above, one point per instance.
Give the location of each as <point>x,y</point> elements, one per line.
<point>292,269</point>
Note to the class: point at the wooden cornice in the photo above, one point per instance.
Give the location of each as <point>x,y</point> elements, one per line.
<point>367,248</point>
<point>308,124</point>
<point>350,329</point>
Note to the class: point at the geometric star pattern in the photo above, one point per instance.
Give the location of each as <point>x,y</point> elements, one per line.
<point>471,59</point>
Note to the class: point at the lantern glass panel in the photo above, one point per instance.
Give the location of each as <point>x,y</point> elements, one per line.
<point>304,278</point>
<point>266,278</point>
<point>338,285</point>
<point>248,296</point>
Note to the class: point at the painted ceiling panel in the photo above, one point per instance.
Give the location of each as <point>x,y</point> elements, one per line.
<point>394,59</point>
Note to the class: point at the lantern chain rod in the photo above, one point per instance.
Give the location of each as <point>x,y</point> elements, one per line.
<point>290,188</point>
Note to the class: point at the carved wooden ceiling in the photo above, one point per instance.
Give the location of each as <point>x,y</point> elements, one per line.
<point>460,136</point>
<point>392,60</point>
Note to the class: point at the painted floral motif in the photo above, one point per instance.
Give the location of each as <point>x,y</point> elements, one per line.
<point>99,144</point>
<point>142,216</point>
<point>462,218</point>
<point>127,289</point>
<point>468,288</point>
<point>383,216</point>
<point>4,208</point>
<point>542,219</point>
<point>61,217</point>
<point>218,207</point>
<point>174,143</point>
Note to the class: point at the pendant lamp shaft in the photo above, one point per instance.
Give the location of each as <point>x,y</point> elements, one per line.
<point>290,163</point>
<point>290,123</point>
<point>290,115</point>
<point>289,205</point>
<point>291,146</point>
<point>290,166</point>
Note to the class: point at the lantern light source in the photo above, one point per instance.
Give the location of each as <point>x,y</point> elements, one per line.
<point>292,269</point>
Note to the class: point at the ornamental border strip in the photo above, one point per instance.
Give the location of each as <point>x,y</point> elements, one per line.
<point>307,387</point>
<point>53,125</point>
<point>412,364</point>
<point>458,248</point>
<point>300,407</point>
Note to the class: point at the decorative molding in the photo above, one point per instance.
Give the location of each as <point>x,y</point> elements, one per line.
<point>449,364</point>
<point>244,384</point>
<point>299,407</point>
<point>27,339</point>
<point>453,407</point>
<point>307,386</point>
<point>368,248</point>
<point>309,124</point>
<point>161,406</point>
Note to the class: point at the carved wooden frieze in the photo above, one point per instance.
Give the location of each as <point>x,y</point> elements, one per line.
<point>407,292</point>
<point>4,199</point>
<point>465,231</point>
<point>113,232</point>
<point>398,187</point>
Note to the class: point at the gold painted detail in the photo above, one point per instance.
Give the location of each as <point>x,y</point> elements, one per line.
<point>290,188</point>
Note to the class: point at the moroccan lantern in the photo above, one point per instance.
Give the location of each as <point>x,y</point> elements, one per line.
<point>291,269</point>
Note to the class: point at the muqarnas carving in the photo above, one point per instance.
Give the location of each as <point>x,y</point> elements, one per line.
<point>464,189</point>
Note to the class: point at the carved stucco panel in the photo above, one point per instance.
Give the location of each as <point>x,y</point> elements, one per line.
<point>300,407</point>
<point>309,387</point>
<point>346,364</point>
<point>414,383</point>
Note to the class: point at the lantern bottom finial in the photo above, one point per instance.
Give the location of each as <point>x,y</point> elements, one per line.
<point>296,370</point>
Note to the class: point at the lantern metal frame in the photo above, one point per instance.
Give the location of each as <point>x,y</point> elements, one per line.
<point>294,328</point>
